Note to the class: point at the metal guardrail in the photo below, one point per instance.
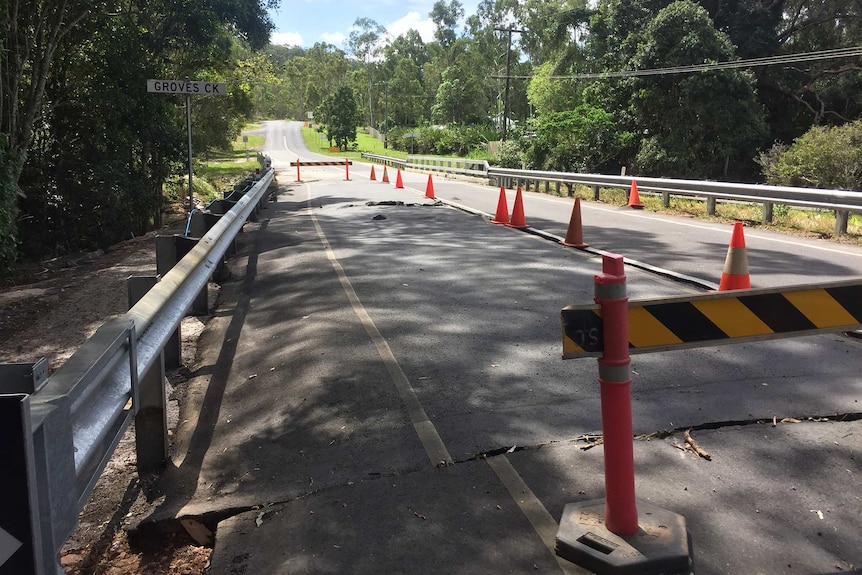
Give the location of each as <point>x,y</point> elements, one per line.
<point>842,202</point>
<point>59,432</point>
<point>385,160</point>
<point>464,167</point>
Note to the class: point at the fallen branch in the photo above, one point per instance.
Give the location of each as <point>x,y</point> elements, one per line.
<point>695,447</point>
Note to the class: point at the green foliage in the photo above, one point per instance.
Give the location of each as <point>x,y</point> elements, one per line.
<point>8,209</point>
<point>457,140</point>
<point>823,157</point>
<point>579,140</point>
<point>548,95</point>
<point>456,100</point>
<point>445,17</point>
<point>701,125</point>
<point>510,155</point>
<point>177,189</point>
<point>98,146</point>
<point>339,114</point>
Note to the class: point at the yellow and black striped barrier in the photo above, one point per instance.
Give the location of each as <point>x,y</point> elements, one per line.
<point>719,318</point>
<point>324,163</point>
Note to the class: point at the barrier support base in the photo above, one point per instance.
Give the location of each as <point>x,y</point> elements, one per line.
<point>660,546</point>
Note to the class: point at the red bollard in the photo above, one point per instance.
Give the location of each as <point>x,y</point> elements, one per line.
<point>346,169</point>
<point>298,179</point>
<point>607,535</point>
<point>621,515</point>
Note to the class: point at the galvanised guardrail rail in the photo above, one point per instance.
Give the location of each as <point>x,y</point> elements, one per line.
<point>385,160</point>
<point>57,433</point>
<point>461,166</point>
<point>842,202</point>
<point>465,167</point>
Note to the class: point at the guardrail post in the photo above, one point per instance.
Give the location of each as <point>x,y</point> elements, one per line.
<point>169,251</point>
<point>20,535</point>
<point>166,258</point>
<point>151,424</point>
<point>710,206</point>
<point>767,212</point>
<point>841,219</point>
<point>665,199</point>
<point>596,193</point>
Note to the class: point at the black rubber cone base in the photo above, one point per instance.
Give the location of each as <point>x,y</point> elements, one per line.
<point>661,545</point>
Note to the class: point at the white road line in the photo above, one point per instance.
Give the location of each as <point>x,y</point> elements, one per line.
<point>542,521</point>
<point>434,447</point>
<point>527,502</point>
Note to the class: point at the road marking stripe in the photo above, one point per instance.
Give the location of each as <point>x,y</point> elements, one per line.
<point>527,502</point>
<point>434,447</point>
<point>542,521</point>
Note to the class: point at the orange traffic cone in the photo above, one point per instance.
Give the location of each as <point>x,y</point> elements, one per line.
<point>429,189</point>
<point>518,220</point>
<point>385,178</point>
<point>575,233</point>
<point>735,274</point>
<point>502,216</point>
<point>373,177</point>
<point>398,183</point>
<point>634,197</point>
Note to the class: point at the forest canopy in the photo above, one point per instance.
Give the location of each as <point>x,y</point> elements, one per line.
<point>85,151</point>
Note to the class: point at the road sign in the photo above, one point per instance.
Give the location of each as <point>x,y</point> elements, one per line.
<point>189,87</point>
<point>719,318</point>
<point>8,546</point>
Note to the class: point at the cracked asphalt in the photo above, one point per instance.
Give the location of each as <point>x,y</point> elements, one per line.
<point>381,391</point>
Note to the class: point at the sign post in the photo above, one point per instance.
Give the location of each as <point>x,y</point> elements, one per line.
<point>189,88</point>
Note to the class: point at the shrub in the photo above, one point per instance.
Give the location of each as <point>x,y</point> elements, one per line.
<point>823,157</point>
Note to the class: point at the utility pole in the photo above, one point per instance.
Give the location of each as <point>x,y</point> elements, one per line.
<point>386,117</point>
<point>508,76</point>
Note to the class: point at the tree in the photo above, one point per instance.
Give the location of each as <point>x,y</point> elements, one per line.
<point>446,17</point>
<point>32,31</point>
<point>460,97</point>
<point>340,115</point>
<point>85,150</point>
<point>365,45</point>
<point>580,140</point>
<point>695,124</point>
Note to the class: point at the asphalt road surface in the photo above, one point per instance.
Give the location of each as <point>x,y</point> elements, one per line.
<point>385,392</point>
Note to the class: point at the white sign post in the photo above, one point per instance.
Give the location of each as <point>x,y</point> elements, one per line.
<point>189,88</point>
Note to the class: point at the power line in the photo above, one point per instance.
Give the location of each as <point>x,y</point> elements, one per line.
<point>752,62</point>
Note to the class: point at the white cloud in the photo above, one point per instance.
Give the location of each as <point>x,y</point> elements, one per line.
<point>413,20</point>
<point>286,38</point>
<point>335,38</point>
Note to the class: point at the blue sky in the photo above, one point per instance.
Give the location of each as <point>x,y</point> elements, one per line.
<point>305,22</point>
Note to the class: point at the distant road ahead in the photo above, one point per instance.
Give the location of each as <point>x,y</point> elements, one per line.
<point>684,245</point>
